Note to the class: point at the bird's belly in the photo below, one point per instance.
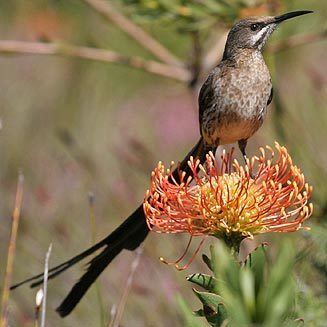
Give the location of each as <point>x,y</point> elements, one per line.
<point>232,126</point>
<point>237,130</point>
<point>238,108</point>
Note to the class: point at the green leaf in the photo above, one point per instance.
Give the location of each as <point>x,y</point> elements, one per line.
<point>199,313</point>
<point>209,300</point>
<point>257,262</point>
<point>207,261</point>
<point>248,289</point>
<point>190,320</point>
<point>225,267</point>
<point>219,319</point>
<point>207,282</point>
<point>277,294</point>
<point>214,319</point>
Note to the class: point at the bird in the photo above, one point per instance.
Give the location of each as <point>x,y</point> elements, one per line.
<point>232,104</point>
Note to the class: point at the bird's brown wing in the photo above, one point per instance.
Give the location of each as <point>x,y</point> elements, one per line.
<point>270,96</point>
<point>209,93</point>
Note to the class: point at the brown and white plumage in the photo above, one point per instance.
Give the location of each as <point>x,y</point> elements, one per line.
<point>233,100</point>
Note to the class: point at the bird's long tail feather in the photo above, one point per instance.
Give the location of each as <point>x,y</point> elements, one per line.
<point>129,235</point>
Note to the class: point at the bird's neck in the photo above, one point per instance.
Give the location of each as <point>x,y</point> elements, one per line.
<point>241,57</point>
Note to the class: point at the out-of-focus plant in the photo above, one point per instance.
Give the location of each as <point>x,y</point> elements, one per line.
<point>189,15</point>
<point>318,250</point>
<point>254,293</point>
<point>311,273</point>
<point>261,291</point>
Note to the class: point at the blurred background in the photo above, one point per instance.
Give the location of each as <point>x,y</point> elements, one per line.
<point>80,123</point>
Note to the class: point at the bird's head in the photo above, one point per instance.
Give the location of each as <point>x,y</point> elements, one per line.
<point>253,32</point>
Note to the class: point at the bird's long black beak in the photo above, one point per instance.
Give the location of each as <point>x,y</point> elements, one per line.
<point>289,15</point>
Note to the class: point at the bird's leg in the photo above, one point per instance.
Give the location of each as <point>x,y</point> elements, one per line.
<point>211,148</point>
<point>242,145</point>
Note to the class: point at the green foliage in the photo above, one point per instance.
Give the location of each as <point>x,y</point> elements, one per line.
<point>254,293</point>
<point>318,255</point>
<point>187,15</point>
<point>190,320</point>
<point>205,281</point>
<point>311,271</point>
<point>311,308</point>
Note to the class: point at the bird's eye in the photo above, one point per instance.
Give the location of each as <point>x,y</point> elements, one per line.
<point>255,27</point>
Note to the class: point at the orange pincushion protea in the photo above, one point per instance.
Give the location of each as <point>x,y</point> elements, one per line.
<point>225,199</point>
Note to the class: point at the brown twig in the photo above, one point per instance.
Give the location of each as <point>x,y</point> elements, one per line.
<point>138,34</point>
<point>11,249</point>
<point>297,40</point>
<point>120,309</point>
<point>60,49</point>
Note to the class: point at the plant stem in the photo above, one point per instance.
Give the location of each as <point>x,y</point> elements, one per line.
<point>45,285</point>
<point>120,309</point>
<point>11,250</point>
<point>233,242</point>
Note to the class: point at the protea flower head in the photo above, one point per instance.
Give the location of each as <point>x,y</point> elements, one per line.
<point>226,199</point>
